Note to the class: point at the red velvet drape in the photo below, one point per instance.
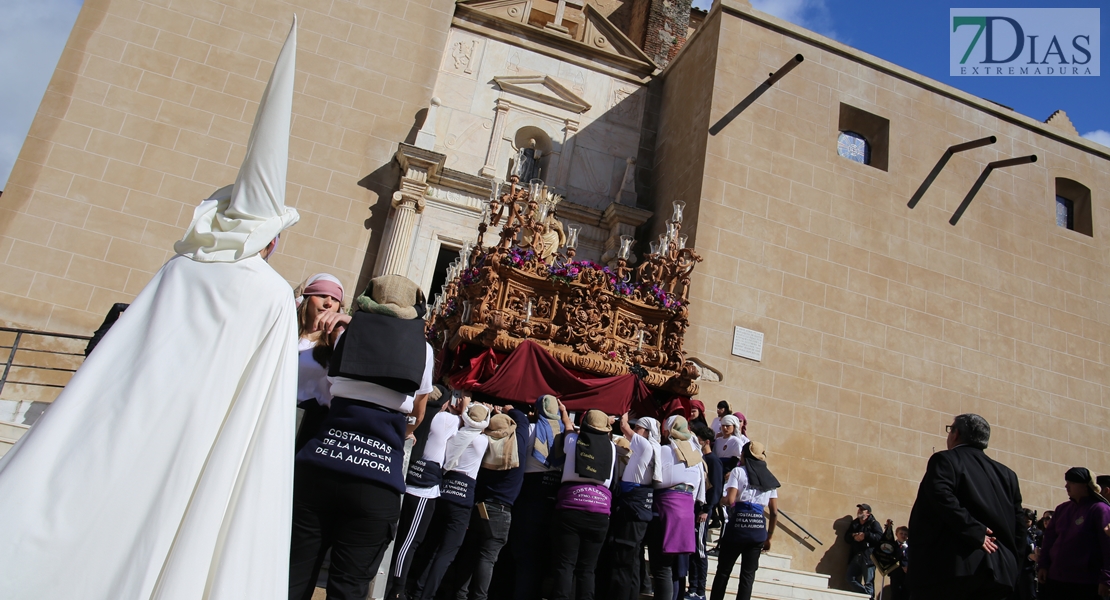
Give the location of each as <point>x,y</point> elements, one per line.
<point>530,372</point>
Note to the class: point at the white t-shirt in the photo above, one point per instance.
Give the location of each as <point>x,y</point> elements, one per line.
<point>312,377</point>
<point>383,396</point>
<point>716,425</point>
<point>675,472</point>
<point>738,479</point>
<point>444,426</point>
<point>569,474</point>
<point>730,447</point>
<point>639,469</point>
<point>471,458</point>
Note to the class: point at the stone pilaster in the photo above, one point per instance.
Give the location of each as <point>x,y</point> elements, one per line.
<point>417,165</point>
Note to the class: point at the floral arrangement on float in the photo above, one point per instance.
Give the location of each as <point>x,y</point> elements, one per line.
<point>602,319</point>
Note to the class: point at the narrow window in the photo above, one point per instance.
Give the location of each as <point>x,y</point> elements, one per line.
<point>1073,206</point>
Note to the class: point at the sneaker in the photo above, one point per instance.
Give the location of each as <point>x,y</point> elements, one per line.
<point>713,552</point>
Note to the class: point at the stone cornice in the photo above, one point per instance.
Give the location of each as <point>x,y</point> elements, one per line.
<point>553,44</point>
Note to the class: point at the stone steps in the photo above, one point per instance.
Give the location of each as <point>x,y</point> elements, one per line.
<point>10,434</point>
<point>775,580</point>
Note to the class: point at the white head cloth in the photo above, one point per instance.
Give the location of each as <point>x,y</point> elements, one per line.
<point>731,420</point>
<point>461,440</point>
<point>240,220</point>
<point>652,427</point>
<point>314,279</point>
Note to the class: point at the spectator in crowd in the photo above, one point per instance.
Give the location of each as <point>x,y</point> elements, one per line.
<point>967,520</point>
<point>898,588</point>
<point>730,442</point>
<point>1074,563</point>
<point>1026,588</point>
<point>1041,525</point>
<point>697,413</point>
<point>862,536</point>
<point>699,561</point>
<point>751,487</point>
<point>1103,482</point>
<point>722,410</point>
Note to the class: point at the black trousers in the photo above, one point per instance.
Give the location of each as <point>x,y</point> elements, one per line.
<point>1058,590</point>
<point>532,522</point>
<point>353,517</point>
<point>667,570</point>
<point>624,551</point>
<point>699,560</point>
<point>484,540</point>
<point>416,515</point>
<point>449,530</point>
<point>577,542</point>
<point>749,562</point>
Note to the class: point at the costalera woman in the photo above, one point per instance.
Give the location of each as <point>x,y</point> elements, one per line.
<point>322,293</point>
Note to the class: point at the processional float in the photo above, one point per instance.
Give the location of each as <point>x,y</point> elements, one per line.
<point>603,321</point>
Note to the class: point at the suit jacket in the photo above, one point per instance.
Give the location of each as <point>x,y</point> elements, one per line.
<point>963,493</point>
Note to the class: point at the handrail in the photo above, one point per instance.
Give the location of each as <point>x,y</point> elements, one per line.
<point>14,348</point>
<point>809,536</point>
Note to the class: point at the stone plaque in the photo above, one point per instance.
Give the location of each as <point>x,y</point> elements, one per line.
<point>748,343</point>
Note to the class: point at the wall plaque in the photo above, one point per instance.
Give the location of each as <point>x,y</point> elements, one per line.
<point>748,343</point>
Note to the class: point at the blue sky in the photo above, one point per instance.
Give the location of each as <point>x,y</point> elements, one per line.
<point>915,35</point>
<point>911,34</point>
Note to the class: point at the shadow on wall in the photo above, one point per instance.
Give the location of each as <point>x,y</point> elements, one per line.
<point>835,560</point>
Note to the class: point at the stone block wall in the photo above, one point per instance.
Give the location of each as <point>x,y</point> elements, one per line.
<point>882,322</point>
<point>149,111</point>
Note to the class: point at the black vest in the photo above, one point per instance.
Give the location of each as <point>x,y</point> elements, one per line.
<point>387,351</point>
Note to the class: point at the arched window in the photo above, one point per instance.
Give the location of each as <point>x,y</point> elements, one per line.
<point>854,147</point>
<point>1073,206</point>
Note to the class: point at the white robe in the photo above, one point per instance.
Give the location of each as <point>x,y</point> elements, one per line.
<point>165,468</point>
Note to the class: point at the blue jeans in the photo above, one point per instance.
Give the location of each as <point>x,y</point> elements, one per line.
<point>861,566</point>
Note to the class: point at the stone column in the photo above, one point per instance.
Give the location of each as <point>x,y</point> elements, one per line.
<point>417,165</point>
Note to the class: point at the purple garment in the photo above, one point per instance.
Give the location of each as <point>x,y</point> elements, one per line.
<point>587,497</point>
<point>1075,549</point>
<point>676,514</point>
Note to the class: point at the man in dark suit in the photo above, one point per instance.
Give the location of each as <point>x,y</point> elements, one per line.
<point>967,521</point>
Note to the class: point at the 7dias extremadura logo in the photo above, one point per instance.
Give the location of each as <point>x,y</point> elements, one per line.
<point>1010,42</point>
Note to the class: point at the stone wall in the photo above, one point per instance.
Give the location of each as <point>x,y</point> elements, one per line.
<point>882,322</point>
<point>148,112</point>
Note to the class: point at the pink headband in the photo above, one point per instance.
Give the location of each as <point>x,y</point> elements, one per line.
<point>323,287</point>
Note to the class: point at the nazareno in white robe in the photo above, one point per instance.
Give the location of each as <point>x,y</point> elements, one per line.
<point>165,468</point>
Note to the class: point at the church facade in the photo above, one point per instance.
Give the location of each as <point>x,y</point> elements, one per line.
<point>822,199</point>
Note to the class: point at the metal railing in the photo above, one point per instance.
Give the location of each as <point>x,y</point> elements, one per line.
<point>809,536</point>
<point>42,360</point>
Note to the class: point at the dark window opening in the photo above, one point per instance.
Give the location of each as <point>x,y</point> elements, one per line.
<point>1073,206</point>
<point>444,258</point>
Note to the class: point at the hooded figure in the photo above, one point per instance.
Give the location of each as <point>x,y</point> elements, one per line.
<point>164,469</point>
